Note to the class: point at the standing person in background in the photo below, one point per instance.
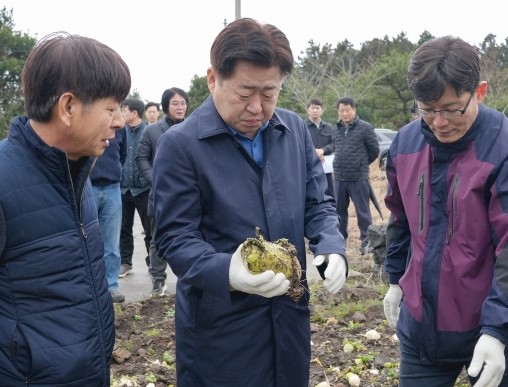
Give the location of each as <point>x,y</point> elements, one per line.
<point>57,320</point>
<point>174,104</point>
<point>447,240</point>
<point>134,187</point>
<point>237,163</point>
<point>321,134</point>
<point>105,177</point>
<point>151,112</point>
<point>356,147</point>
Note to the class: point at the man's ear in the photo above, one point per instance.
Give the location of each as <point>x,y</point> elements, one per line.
<point>67,107</point>
<point>211,79</point>
<point>481,91</point>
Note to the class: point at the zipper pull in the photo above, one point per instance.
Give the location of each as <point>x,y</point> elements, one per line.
<point>83,231</point>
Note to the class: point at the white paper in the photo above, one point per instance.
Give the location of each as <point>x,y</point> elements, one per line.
<point>328,163</point>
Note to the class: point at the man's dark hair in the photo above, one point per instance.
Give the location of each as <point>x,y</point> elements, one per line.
<point>170,93</point>
<point>134,105</point>
<point>346,101</point>
<point>61,63</point>
<point>440,62</point>
<point>247,40</point>
<point>315,101</point>
<point>149,104</point>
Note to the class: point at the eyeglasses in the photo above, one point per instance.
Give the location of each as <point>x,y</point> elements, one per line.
<point>176,104</point>
<point>446,113</point>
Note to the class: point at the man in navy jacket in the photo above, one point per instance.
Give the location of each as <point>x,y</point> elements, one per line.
<point>237,163</point>
<point>56,314</point>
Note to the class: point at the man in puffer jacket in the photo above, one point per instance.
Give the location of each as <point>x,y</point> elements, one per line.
<point>56,314</point>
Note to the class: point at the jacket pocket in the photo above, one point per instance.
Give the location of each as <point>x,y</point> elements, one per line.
<point>21,355</point>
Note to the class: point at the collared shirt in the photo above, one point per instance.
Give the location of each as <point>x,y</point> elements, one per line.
<point>253,146</point>
<point>315,123</point>
<point>345,126</point>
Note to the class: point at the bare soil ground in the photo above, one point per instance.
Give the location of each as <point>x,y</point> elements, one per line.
<point>146,342</point>
<point>145,346</point>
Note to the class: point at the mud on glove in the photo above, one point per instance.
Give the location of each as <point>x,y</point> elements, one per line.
<point>266,284</point>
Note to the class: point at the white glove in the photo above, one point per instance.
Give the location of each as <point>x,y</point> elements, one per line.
<point>266,284</point>
<point>489,355</point>
<point>391,304</point>
<point>335,273</point>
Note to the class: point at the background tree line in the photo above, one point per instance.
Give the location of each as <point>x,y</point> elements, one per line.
<point>374,75</point>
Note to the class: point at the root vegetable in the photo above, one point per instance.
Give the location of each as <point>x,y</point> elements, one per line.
<point>280,256</point>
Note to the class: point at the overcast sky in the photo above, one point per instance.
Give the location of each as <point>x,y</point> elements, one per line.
<point>166,42</point>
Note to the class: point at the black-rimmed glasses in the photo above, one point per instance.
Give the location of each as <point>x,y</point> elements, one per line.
<point>445,113</point>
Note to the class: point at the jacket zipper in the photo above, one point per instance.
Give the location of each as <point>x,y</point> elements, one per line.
<point>453,215</point>
<point>421,203</point>
<point>80,201</point>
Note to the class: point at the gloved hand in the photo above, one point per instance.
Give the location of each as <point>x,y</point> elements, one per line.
<point>489,354</point>
<point>391,304</point>
<point>335,273</point>
<point>266,284</point>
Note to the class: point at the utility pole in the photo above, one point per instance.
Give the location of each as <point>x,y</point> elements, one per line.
<point>238,9</point>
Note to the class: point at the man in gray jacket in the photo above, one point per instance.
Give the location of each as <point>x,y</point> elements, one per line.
<point>174,102</point>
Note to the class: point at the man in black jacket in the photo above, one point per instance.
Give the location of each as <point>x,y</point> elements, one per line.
<point>356,147</point>
<point>321,133</point>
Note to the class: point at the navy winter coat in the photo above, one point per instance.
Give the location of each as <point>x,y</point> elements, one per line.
<point>447,243</point>
<point>132,178</point>
<point>56,314</point>
<point>209,195</point>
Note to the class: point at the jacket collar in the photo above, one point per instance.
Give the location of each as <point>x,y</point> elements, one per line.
<point>309,122</point>
<point>171,122</point>
<point>210,123</point>
<point>22,133</point>
<point>341,125</point>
